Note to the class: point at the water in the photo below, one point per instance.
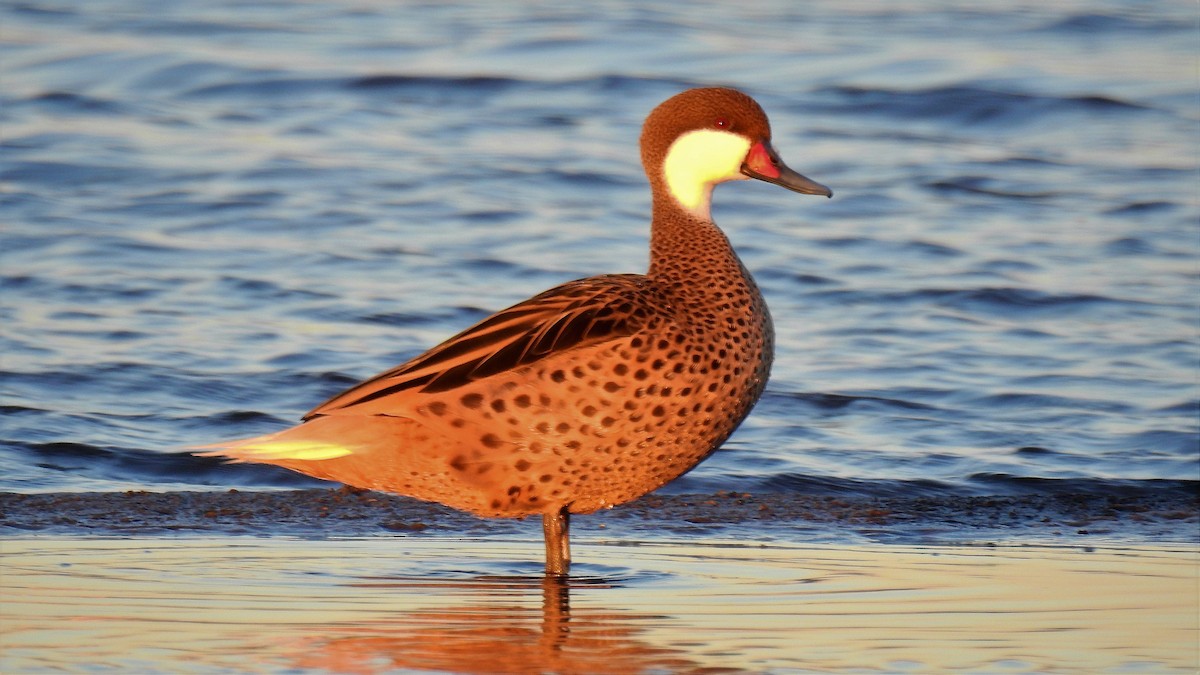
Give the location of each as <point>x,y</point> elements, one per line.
<point>215,215</point>
<point>978,450</point>
<point>362,606</point>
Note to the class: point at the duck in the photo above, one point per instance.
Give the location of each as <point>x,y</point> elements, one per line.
<point>593,393</point>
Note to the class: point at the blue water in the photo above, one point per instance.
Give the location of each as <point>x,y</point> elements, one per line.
<point>215,215</point>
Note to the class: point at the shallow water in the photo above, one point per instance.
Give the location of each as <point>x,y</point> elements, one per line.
<point>362,606</point>
<point>217,215</point>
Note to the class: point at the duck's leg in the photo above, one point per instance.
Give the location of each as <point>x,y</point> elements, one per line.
<point>557,528</point>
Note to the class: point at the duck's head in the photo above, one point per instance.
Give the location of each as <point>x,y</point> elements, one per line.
<point>702,137</point>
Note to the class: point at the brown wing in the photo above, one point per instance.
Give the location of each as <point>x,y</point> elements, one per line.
<point>578,313</point>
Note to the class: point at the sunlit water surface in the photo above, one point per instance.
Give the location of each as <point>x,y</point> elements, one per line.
<point>216,215</point>
<point>362,606</point>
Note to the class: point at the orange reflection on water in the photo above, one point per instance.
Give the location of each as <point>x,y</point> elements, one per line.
<point>501,638</point>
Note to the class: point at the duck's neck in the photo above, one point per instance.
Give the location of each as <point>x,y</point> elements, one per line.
<point>691,254</point>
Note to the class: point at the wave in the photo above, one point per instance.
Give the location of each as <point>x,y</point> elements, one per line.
<point>967,105</point>
<point>1139,23</point>
<point>990,300</point>
<point>97,464</point>
<point>269,84</point>
<point>976,485</point>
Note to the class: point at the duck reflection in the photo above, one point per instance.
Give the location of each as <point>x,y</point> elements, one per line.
<point>507,636</point>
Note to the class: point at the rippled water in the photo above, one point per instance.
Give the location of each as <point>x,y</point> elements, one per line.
<point>215,215</point>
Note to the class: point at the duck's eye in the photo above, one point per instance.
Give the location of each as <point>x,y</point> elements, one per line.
<point>721,123</point>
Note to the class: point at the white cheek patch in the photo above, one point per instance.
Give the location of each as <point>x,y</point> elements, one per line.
<point>700,159</point>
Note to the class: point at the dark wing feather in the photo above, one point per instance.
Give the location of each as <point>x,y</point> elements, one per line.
<point>575,314</point>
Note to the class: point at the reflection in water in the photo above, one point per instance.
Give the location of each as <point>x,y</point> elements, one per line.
<point>508,637</point>
<point>400,605</point>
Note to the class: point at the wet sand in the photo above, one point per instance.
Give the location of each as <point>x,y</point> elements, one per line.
<point>358,582</point>
<point>1168,514</point>
<point>404,603</point>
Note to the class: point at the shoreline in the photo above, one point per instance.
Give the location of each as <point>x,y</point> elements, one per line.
<point>1168,516</point>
